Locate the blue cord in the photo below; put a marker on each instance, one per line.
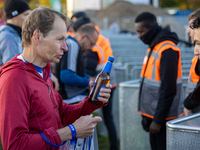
(53, 145)
(90, 141)
(84, 143)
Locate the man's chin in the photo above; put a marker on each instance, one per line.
(56, 61)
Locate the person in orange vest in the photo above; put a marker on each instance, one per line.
(161, 83)
(192, 100)
(94, 62)
(193, 78)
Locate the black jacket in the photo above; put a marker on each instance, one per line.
(168, 74)
(192, 101)
(91, 60)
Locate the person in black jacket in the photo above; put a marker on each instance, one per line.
(90, 58)
(160, 100)
(193, 99)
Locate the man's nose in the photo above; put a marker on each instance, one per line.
(64, 47)
(188, 31)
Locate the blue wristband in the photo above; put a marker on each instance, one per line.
(73, 130)
(53, 145)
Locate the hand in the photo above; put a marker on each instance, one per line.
(154, 128)
(56, 86)
(85, 125)
(92, 78)
(55, 81)
(187, 112)
(91, 85)
(104, 94)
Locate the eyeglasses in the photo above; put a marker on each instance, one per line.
(90, 40)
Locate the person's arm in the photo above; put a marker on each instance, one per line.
(69, 113)
(189, 102)
(9, 47)
(167, 91)
(84, 127)
(68, 65)
(71, 78)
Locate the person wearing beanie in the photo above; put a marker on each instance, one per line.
(78, 15)
(10, 34)
(73, 19)
(79, 22)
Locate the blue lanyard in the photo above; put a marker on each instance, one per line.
(53, 145)
(90, 142)
(73, 141)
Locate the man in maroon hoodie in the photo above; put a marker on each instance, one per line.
(31, 111)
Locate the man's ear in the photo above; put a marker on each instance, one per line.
(82, 36)
(37, 36)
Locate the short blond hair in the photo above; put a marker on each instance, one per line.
(87, 29)
(41, 18)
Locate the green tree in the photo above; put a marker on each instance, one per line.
(168, 3)
(182, 4)
(33, 3)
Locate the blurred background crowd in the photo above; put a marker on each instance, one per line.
(116, 19)
(106, 12)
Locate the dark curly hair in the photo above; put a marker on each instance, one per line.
(195, 23)
(147, 19)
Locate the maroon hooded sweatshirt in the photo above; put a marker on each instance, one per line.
(29, 105)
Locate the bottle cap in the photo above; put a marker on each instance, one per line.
(111, 58)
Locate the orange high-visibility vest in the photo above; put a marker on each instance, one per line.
(103, 50)
(193, 77)
(70, 34)
(151, 84)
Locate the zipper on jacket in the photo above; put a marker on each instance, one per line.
(49, 88)
(53, 103)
